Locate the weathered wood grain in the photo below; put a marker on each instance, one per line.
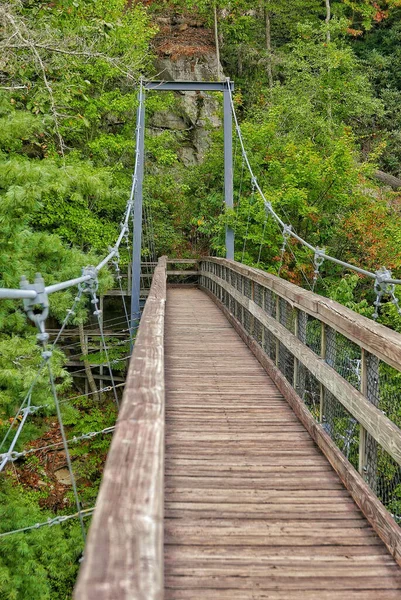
(182, 272)
(252, 507)
(374, 511)
(124, 552)
(384, 431)
(373, 337)
(234, 593)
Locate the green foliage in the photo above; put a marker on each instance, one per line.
(318, 104)
(39, 564)
(67, 111)
(379, 50)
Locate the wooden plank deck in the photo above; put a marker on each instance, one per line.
(252, 507)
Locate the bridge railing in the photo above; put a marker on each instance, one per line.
(123, 557)
(339, 371)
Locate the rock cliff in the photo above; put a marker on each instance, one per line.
(185, 52)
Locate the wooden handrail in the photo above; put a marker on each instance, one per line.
(372, 419)
(373, 337)
(288, 341)
(124, 552)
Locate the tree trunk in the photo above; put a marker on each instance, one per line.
(328, 17)
(216, 39)
(328, 38)
(390, 180)
(268, 48)
(88, 371)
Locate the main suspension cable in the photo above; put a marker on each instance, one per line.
(270, 210)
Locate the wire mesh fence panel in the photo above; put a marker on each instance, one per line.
(247, 288)
(235, 309)
(302, 321)
(286, 362)
(344, 356)
(258, 332)
(341, 426)
(287, 315)
(240, 283)
(258, 294)
(368, 453)
(313, 334)
(308, 389)
(270, 303)
(377, 381)
(231, 304)
(269, 344)
(248, 321)
(388, 483)
(285, 359)
(385, 385)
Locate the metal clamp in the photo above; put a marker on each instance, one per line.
(381, 278)
(115, 261)
(318, 260)
(91, 285)
(268, 207)
(286, 236)
(126, 236)
(320, 255)
(37, 308)
(11, 456)
(381, 288)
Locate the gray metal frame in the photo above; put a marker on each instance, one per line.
(137, 231)
(225, 87)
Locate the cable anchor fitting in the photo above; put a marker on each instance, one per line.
(126, 237)
(37, 308)
(90, 286)
(286, 233)
(318, 260)
(382, 287)
(268, 207)
(116, 258)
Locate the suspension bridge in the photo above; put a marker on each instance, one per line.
(257, 450)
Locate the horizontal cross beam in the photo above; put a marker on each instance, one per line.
(189, 86)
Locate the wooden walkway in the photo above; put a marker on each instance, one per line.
(252, 507)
